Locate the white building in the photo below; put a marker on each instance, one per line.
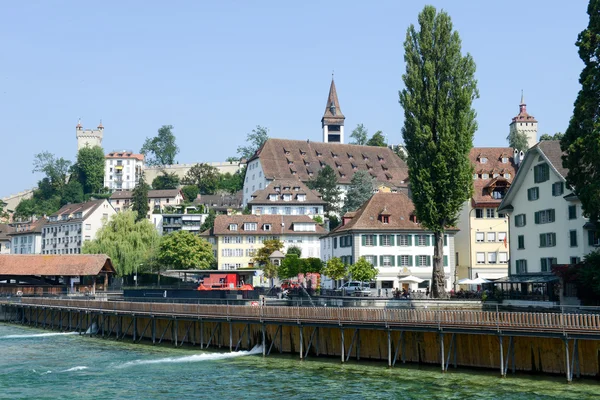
(72, 225)
(386, 233)
(88, 137)
(26, 237)
(547, 225)
(122, 170)
(5, 231)
(287, 197)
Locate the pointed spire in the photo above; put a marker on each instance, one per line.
(332, 108)
(522, 97)
(522, 105)
(100, 126)
(79, 124)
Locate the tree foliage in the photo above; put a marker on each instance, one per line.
(190, 192)
(377, 140)
(360, 135)
(209, 222)
(162, 148)
(311, 265)
(73, 193)
(184, 250)
(166, 181)
(255, 140)
(55, 169)
(556, 136)
(139, 201)
(439, 124)
(326, 183)
(89, 169)
(362, 270)
(128, 243)
(360, 190)
(290, 266)
(518, 140)
(582, 138)
(335, 269)
(261, 258)
(204, 176)
(294, 250)
(231, 183)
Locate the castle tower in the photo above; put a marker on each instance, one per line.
(88, 137)
(333, 119)
(525, 123)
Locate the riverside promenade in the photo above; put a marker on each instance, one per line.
(565, 342)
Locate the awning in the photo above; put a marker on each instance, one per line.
(527, 279)
(490, 276)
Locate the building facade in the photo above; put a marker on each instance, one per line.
(158, 200)
(5, 245)
(122, 170)
(88, 137)
(482, 243)
(72, 225)
(547, 225)
(188, 219)
(387, 234)
(236, 238)
(26, 237)
(287, 197)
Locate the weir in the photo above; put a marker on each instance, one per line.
(565, 343)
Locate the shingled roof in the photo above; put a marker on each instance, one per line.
(298, 159)
(329, 118)
(496, 171)
(223, 222)
(5, 231)
(70, 209)
(152, 194)
(552, 150)
(55, 265)
(279, 187)
(25, 228)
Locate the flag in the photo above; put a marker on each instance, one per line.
(505, 245)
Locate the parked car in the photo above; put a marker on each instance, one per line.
(355, 288)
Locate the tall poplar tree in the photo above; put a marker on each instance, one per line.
(439, 125)
(581, 141)
(139, 201)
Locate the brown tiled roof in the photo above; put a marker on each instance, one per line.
(70, 209)
(286, 186)
(482, 188)
(523, 116)
(28, 227)
(152, 194)
(328, 117)
(222, 223)
(397, 205)
(552, 150)
(124, 154)
(221, 200)
(297, 159)
(5, 231)
(55, 265)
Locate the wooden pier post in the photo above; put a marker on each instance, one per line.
(568, 365)
(230, 337)
(389, 344)
(502, 374)
(264, 340)
(301, 343)
(442, 350)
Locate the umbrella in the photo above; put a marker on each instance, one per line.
(466, 281)
(476, 281)
(411, 279)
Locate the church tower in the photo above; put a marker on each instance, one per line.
(88, 137)
(525, 123)
(333, 119)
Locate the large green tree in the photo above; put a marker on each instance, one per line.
(161, 149)
(128, 243)
(184, 250)
(377, 140)
(290, 266)
(335, 269)
(362, 270)
(261, 258)
(326, 183)
(231, 183)
(89, 169)
(190, 192)
(439, 124)
(139, 201)
(556, 136)
(360, 135)
(73, 193)
(360, 190)
(166, 181)
(205, 176)
(209, 222)
(582, 138)
(254, 140)
(518, 140)
(55, 169)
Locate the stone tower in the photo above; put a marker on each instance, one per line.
(88, 137)
(333, 119)
(525, 123)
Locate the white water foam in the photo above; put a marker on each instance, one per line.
(194, 358)
(37, 335)
(79, 368)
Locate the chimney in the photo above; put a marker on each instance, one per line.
(516, 157)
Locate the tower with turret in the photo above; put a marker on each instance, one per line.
(333, 119)
(526, 124)
(88, 137)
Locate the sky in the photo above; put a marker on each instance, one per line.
(217, 69)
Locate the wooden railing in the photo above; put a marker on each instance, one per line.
(441, 318)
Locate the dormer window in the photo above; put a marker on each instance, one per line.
(342, 175)
(286, 151)
(504, 160)
(369, 167)
(267, 227)
(334, 155)
(318, 153)
(301, 197)
(338, 165)
(287, 197)
(273, 197)
(483, 160)
(507, 176)
(475, 176)
(302, 152)
(354, 167)
(485, 176)
(495, 175)
(384, 219)
(296, 188)
(380, 158)
(384, 167)
(293, 171)
(350, 156)
(306, 162)
(290, 162)
(413, 218)
(286, 188)
(233, 227)
(250, 226)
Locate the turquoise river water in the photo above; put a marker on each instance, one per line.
(38, 364)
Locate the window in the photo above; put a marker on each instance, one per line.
(573, 238)
(558, 188)
(490, 212)
(301, 210)
(387, 261)
(233, 227)
(480, 237)
(369, 240)
(479, 213)
(475, 176)
(492, 258)
(226, 239)
(491, 236)
(546, 263)
(250, 226)
(521, 266)
(480, 257)
(250, 239)
(483, 160)
(544, 216)
(503, 258)
(273, 210)
(423, 261)
(541, 173)
(267, 227)
(88, 227)
(507, 175)
(485, 176)
(238, 239)
(504, 160)
(574, 260)
(520, 220)
(422, 240)
(385, 219)
(404, 240)
(547, 239)
(501, 236)
(371, 260)
(386, 240)
(573, 212)
(533, 193)
(594, 238)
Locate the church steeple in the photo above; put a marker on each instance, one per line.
(524, 123)
(333, 119)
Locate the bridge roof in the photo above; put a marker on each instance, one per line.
(55, 265)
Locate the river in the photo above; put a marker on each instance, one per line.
(39, 364)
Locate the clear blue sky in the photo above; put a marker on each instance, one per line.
(216, 69)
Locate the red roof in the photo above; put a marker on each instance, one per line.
(55, 265)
